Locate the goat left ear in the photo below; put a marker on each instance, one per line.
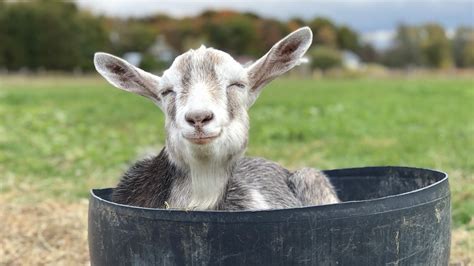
(282, 57)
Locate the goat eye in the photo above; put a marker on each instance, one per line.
(166, 92)
(237, 84)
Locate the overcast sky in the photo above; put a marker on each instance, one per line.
(375, 19)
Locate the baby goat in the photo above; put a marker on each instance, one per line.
(205, 96)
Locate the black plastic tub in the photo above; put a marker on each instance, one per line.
(390, 216)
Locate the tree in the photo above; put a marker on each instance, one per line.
(92, 37)
(15, 36)
(407, 48)
(130, 36)
(425, 45)
(323, 57)
(295, 23)
(347, 39)
(269, 32)
(47, 34)
(3, 35)
(324, 32)
(179, 32)
(435, 46)
(233, 32)
(463, 47)
(368, 53)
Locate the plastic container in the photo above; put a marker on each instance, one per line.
(390, 216)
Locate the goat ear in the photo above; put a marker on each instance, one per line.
(282, 57)
(125, 76)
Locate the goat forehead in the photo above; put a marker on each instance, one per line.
(203, 65)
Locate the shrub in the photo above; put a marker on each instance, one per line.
(324, 58)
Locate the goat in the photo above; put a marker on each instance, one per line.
(205, 96)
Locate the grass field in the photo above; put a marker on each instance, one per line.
(59, 137)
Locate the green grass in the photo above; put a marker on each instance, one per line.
(60, 137)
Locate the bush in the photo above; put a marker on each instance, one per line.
(324, 58)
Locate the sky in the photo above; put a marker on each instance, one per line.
(376, 20)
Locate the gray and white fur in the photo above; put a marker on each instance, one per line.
(205, 96)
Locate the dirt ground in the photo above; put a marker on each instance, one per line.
(51, 233)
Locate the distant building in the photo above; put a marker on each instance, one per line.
(350, 60)
(161, 50)
(134, 58)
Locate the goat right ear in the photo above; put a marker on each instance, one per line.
(282, 57)
(125, 76)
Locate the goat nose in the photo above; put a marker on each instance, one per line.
(198, 118)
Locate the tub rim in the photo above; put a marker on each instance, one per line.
(417, 197)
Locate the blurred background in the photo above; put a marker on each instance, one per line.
(386, 83)
(40, 36)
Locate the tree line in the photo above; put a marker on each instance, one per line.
(52, 35)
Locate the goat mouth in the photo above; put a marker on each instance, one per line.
(201, 139)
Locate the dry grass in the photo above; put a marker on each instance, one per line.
(48, 233)
(462, 246)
